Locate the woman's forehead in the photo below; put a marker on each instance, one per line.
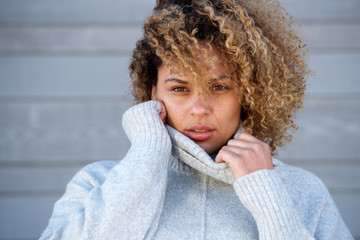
(186, 77)
(214, 72)
(210, 61)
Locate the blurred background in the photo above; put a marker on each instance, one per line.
(64, 87)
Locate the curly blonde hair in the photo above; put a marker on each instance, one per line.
(255, 38)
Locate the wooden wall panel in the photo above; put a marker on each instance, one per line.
(321, 11)
(64, 76)
(332, 37)
(78, 131)
(70, 12)
(335, 74)
(337, 176)
(36, 180)
(348, 205)
(73, 39)
(329, 130)
(25, 217)
(63, 89)
(108, 76)
(62, 132)
(121, 39)
(110, 11)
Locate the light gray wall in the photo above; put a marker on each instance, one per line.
(63, 89)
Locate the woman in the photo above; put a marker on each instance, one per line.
(217, 83)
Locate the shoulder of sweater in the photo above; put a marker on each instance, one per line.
(298, 180)
(92, 175)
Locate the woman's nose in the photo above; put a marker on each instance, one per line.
(200, 106)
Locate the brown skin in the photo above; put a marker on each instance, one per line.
(183, 108)
(244, 155)
(189, 114)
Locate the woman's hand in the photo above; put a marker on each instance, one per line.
(162, 113)
(245, 155)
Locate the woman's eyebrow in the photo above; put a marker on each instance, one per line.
(176, 80)
(219, 78)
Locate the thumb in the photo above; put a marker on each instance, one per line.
(218, 158)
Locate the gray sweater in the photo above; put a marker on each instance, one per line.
(167, 187)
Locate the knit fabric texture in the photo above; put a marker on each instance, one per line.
(167, 187)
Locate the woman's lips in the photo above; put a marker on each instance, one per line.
(200, 132)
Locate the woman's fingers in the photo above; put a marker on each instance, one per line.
(241, 143)
(247, 141)
(244, 155)
(245, 137)
(238, 167)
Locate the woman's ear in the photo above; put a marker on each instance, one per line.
(153, 93)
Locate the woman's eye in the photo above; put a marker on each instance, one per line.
(219, 87)
(179, 89)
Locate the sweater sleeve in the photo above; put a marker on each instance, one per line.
(123, 201)
(266, 197)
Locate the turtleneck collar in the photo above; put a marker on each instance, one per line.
(187, 156)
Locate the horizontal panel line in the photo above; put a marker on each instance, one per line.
(139, 23)
(319, 162)
(328, 22)
(31, 238)
(72, 25)
(344, 191)
(127, 53)
(27, 238)
(82, 162)
(47, 164)
(61, 53)
(332, 97)
(31, 194)
(67, 99)
(128, 98)
(334, 50)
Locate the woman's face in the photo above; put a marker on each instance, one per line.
(209, 123)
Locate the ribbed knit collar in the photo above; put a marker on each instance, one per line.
(187, 156)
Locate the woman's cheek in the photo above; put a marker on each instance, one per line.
(172, 116)
(175, 115)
